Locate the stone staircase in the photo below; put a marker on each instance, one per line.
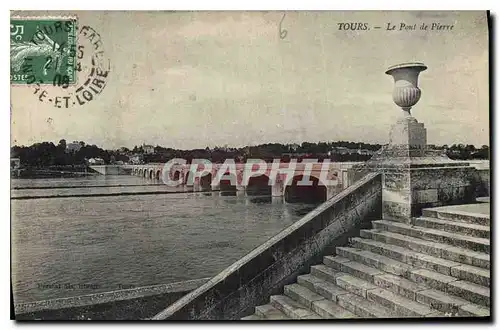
(437, 266)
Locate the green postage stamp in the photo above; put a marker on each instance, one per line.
(42, 51)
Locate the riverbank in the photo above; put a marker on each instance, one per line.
(47, 173)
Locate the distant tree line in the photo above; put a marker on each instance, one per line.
(469, 151)
(48, 154)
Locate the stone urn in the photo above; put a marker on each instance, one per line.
(406, 92)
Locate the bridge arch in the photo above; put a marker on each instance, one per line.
(145, 172)
(158, 175)
(258, 186)
(228, 184)
(150, 175)
(295, 193)
(206, 182)
(176, 175)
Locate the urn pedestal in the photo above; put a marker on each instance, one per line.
(415, 177)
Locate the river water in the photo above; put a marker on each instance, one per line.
(69, 246)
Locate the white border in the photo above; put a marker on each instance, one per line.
(493, 5)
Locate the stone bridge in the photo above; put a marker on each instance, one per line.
(286, 183)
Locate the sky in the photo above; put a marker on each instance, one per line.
(196, 79)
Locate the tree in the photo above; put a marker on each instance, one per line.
(62, 144)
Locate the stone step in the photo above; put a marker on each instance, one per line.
(485, 199)
(325, 273)
(472, 292)
(291, 308)
(399, 285)
(441, 301)
(477, 218)
(404, 287)
(440, 250)
(364, 308)
(429, 279)
(325, 288)
(268, 312)
(473, 310)
(302, 295)
(375, 260)
(330, 310)
(434, 235)
(401, 305)
(324, 307)
(466, 272)
(354, 268)
(472, 274)
(463, 228)
(252, 317)
(416, 286)
(435, 299)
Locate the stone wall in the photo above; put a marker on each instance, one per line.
(250, 281)
(130, 304)
(482, 182)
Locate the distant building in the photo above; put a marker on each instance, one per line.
(148, 149)
(342, 150)
(73, 147)
(365, 152)
(96, 161)
(294, 147)
(135, 159)
(15, 163)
